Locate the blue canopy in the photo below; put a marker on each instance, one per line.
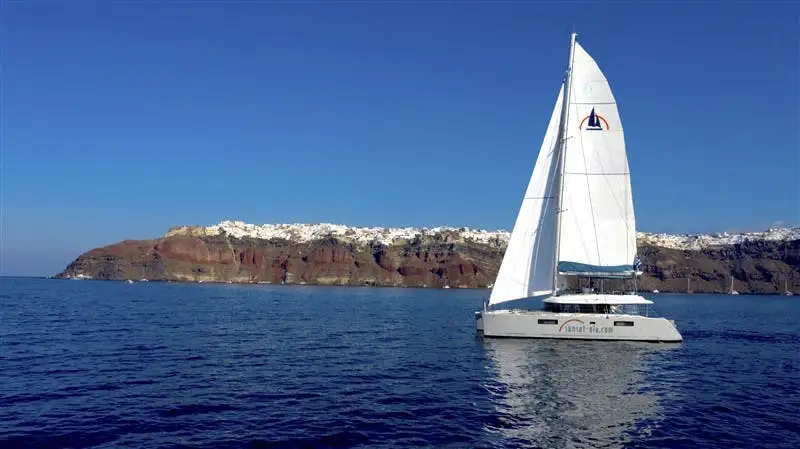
(607, 271)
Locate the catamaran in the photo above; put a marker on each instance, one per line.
(576, 224)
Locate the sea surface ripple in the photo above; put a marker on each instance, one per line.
(155, 365)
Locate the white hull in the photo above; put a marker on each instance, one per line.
(575, 326)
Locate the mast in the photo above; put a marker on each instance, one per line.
(560, 156)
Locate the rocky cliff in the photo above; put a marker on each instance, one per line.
(438, 257)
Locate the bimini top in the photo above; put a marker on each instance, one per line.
(595, 298)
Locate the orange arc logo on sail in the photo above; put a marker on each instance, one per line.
(569, 321)
(598, 116)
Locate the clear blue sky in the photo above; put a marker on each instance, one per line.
(122, 119)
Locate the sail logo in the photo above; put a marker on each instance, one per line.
(594, 122)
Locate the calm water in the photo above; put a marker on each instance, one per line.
(100, 364)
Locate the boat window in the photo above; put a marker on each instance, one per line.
(623, 323)
(548, 321)
(576, 308)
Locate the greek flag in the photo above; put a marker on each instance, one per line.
(637, 263)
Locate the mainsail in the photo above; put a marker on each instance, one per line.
(597, 235)
(593, 232)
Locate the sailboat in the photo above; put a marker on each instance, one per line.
(732, 291)
(576, 222)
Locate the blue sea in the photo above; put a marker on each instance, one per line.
(157, 365)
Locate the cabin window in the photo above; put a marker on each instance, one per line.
(591, 322)
(623, 323)
(548, 321)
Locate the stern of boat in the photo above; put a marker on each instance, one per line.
(479, 317)
(675, 335)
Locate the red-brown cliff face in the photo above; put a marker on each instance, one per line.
(327, 261)
(758, 267)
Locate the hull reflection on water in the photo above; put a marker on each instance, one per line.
(554, 394)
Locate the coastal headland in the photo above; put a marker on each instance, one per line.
(325, 254)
